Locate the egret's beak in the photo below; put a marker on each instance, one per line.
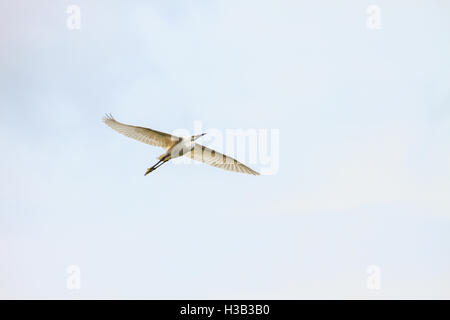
(197, 136)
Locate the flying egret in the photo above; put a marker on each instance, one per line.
(177, 147)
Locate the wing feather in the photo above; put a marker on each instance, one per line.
(149, 136)
(217, 159)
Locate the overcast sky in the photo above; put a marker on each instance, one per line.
(363, 174)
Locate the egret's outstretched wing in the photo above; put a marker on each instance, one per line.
(149, 136)
(217, 159)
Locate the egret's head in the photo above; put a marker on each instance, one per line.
(197, 136)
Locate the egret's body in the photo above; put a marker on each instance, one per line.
(184, 145)
(177, 147)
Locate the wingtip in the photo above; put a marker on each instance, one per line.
(107, 117)
(253, 172)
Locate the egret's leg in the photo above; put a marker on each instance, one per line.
(152, 168)
(156, 166)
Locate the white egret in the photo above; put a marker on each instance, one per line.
(177, 146)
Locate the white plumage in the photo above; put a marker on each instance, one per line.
(177, 146)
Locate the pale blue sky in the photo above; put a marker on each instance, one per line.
(364, 175)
